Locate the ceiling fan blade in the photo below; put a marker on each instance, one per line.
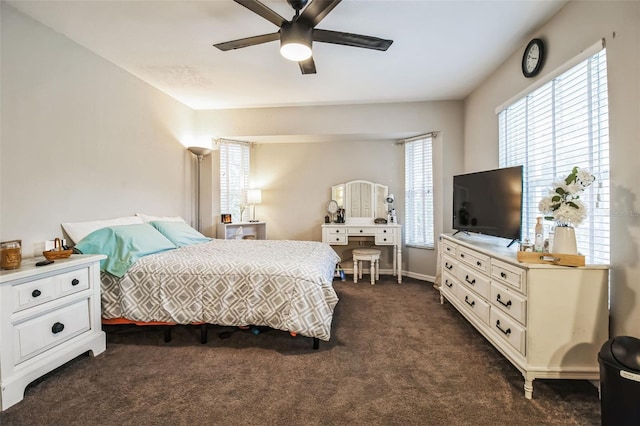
(260, 9)
(316, 11)
(348, 39)
(308, 66)
(247, 41)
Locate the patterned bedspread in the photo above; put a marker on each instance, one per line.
(286, 285)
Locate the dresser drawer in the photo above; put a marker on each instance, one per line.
(509, 302)
(385, 231)
(508, 330)
(50, 329)
(336, 230)
(361, 231)
(385, 240)
(46, 289)
(449, 285)
(336, 239)
(450, 265)
(473, 303)
(473, 279)
(449, 248)
(509, 275)
(472, 258)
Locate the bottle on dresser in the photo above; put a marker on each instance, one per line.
(538, 245)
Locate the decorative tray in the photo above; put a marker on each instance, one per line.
(551, 258)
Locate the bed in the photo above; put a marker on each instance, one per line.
(165, 272)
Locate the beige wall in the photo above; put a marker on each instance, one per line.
(296, 177)
(579, 25)
(81, 138)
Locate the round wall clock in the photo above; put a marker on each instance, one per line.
(533, 58)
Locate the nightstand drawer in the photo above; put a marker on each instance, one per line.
(46, 289)
(33, 293)
(41, 333)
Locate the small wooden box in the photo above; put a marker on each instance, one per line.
(551, 258)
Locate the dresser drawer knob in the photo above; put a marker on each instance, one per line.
(75, 281)
(503, 275)
(507, 331)
(361, 231)
(57, 328)
(472, 282)
(449, 267)
(462, 255)
(472, 303)
(384, 231)
(448, 284)
(36, 293)
(506, 305)
(479, 263)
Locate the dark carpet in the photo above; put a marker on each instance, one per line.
(396, 357)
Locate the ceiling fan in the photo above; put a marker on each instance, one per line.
(297, 34)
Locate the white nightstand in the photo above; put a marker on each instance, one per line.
(244, 230)
(48, 316)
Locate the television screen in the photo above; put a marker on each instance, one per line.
(489, 202)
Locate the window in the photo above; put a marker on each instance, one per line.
(234, 177)
(418, 183)
(562, 124)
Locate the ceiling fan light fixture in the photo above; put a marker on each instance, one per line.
(295, 41)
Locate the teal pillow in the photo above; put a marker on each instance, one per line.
(123, 245)
(179, 233)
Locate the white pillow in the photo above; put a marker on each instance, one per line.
(148, 218)
(78, 230)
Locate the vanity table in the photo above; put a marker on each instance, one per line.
(364, 202)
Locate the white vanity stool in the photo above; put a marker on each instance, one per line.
(368, 255)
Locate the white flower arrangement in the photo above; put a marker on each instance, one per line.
(563, 204)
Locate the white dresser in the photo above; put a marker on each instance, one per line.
(48, 316)
(381, 235)
(548, 321)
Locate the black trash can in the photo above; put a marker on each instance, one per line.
(619, 360)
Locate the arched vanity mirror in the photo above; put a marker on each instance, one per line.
(362, 200)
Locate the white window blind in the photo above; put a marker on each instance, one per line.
(234, 177)
(560, 125)
(418, 181)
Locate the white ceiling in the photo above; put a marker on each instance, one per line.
(441, 49)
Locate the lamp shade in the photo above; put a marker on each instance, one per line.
(295, 41)
(254, 196)
(199, 150)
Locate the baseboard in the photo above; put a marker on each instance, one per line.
(421, 277)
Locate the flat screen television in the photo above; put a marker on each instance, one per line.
(489, 202)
